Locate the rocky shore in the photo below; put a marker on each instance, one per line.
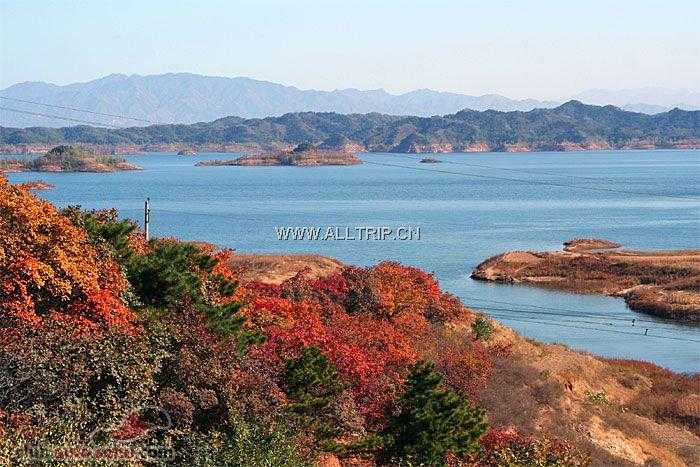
(661, 283)
(37, 185)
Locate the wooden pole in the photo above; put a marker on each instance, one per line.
(147, 218)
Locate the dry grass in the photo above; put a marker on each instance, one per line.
(665, 283)
(650, 415)
(621, 412)
(589, 244)
(274, 269)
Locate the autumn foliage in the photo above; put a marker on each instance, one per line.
(113, 343)
(49, 268)
(373, 324)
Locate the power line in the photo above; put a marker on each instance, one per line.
(534, 182)
(552, 311)
(126, 117)
(58, 117)
(508, 313)
(206, 214)
(571, 312)
(567, 315)
(527, 314)
(556, 323)
(535, 172)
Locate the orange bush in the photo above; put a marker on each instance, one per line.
(48, 266)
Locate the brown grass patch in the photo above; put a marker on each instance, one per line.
(275, 269)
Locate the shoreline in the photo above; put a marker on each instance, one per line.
(243, 149)
(659, 283)
(608, 406)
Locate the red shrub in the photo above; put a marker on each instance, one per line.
(372, 323)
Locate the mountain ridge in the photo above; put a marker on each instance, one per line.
(570, 126)
(191, 98)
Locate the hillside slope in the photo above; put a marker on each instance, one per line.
(188, 98)
(177, 353)
(622, 412)
(571, 126)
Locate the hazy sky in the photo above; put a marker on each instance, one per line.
(541, 49)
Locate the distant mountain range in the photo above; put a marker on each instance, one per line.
(648, 100)
(190, 98)
(571, 126)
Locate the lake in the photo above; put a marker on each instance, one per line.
(472, 207)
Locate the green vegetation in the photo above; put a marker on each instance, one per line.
(303, 147)
(118, 351)
(482, 328)
(541, 129)
(69, 159)
(598, 397)
(105, 230)
(169, 274)
(432, 422)
(312, 383)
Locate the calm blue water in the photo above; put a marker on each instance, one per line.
(463, 220)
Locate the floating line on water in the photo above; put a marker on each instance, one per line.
(556, 323)
(572, 312)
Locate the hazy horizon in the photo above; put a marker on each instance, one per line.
(560, 99)
(542, 50)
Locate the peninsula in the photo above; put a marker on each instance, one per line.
(37, 185)
(661, 283)
(68, 159)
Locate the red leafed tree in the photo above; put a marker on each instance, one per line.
(48, 266)
(372, 323)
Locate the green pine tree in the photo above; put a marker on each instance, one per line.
(432, 422)
(312, 383)
(171, 275)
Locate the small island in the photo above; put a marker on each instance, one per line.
(303, 155)
(187, 152)
(430, 160)
(68, 159)
(661, 283)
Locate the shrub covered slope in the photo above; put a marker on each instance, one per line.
(118, 351)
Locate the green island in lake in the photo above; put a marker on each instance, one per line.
(68, 159)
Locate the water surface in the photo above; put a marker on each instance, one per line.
(642, 199)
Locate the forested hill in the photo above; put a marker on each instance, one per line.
(570, 126)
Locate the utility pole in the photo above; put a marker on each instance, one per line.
(147, 218)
